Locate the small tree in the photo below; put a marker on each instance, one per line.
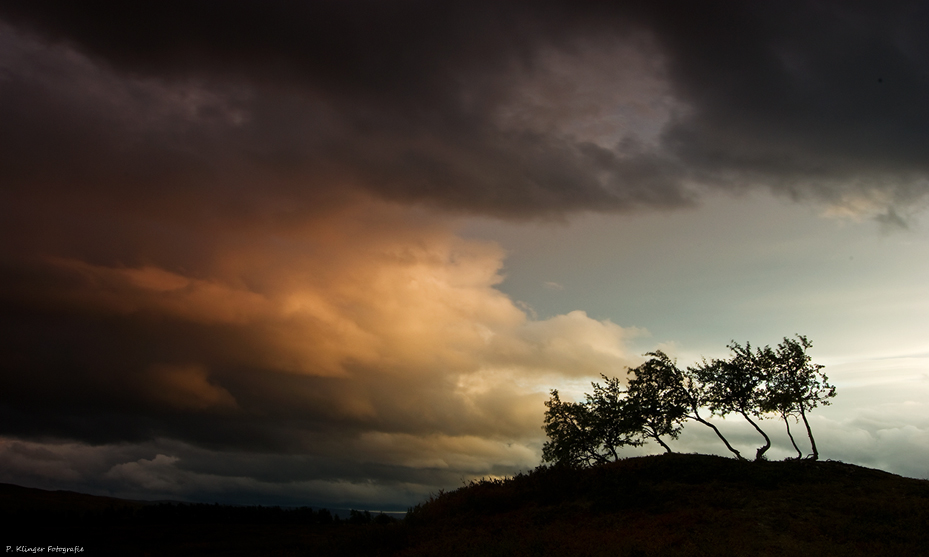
(590, 432)
(665, 396)
(617, 420)
(795, 385)
(777, 397)
(571, 434)
(737, 386)
(656, 396)
(697, 398)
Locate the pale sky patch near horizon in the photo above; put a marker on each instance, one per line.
(747, 268)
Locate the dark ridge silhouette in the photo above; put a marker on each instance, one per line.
(667, 505)
(96, 525)
(680, 504)
(14, 499)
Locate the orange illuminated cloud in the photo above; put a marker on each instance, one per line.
(379, 318)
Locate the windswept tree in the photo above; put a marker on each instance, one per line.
(656, 396)
(571, 434)
(795, 385)
(590, 432)
(737, 386)
(665, 396)
(781, 403)
(619, 422)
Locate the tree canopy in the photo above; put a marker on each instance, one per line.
(796, 386)
(590, 432)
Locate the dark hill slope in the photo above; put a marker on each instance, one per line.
(16, 499)
(680, 505)
(670, 505)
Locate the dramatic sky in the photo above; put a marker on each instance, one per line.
(338, 252)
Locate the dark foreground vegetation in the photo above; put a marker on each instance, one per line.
(673, 504)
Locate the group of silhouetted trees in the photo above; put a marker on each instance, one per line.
(660, 397)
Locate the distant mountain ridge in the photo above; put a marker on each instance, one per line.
(14, 498)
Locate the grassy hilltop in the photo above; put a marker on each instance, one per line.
(672, 504)
(678, 504)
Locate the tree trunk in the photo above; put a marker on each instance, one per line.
(794, 443)
(651, 432)
(663, 444)
(767, 442)
(696, 417)
(815, 455)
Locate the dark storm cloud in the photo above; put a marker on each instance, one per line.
(810, 93)
(391, 97)
(816, 98)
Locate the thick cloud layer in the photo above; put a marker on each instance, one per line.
(365, 344)
(349, 313)
(416, 100)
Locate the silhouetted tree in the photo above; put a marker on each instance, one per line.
(737, 386)
(590, 432)
(666, 396)
(785, 410)
(619, 422)
(359, 517)
(324, 516)
(657, 397)
(777, 398)
(570, 430)
(795, 385)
